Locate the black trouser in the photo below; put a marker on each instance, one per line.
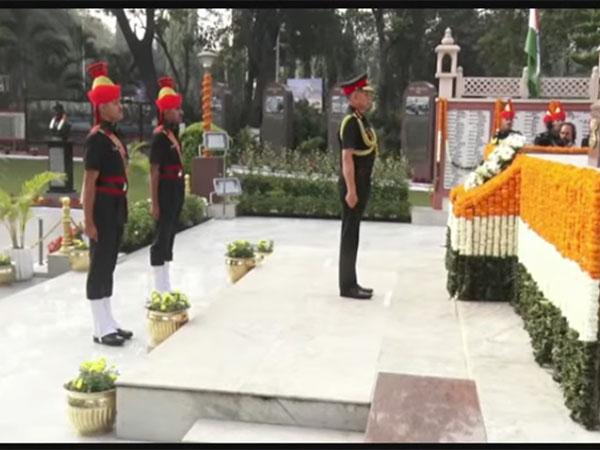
(170, 202)
(351, 228)
(109, 217)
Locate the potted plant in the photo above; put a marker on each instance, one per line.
(15, 212)
(167, 312)
(239, 259)
(7, 271)
(91, 397)
(263, 249)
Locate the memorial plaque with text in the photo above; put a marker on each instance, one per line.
(468, 134)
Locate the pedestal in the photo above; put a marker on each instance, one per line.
(204, 170)
(60, 159)
(594, 157)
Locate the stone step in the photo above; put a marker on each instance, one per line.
(278, 347)
(221, 431)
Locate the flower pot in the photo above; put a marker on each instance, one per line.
(261, 256)
(80, 260)
(92, 412)
(238, 267)
(161, 325)
(7, 274)
(23, 261)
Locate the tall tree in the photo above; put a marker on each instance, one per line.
(141, 49)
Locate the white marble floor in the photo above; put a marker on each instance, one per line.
(46, 329)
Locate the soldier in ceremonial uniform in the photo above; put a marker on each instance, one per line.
(555, 116)
(358, 148)
(104, 196)
(167, 186)
(506, 123)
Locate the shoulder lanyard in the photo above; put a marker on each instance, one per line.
(118, 144)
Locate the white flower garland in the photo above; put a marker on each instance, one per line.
(498, 160)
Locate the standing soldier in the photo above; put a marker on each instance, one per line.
(166, 182)
(358, 148)
(554, 118)
(104, 202)
(507, 116)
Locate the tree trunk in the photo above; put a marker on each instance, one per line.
(141, 50)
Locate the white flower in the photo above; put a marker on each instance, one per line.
(504, 152)
(514, 140)
(492, 166)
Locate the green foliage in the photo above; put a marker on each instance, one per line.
(168, 302)
(310, 128)
(140, 226)
(191, 138)
(575, 363)
(585, 35)
(15, 210)
(4, 260)
(193, 211)
(482, 278)
(139, 229)
(317, 197)
(265, 246)
(94, 376)
(138, 159)
(240, 249)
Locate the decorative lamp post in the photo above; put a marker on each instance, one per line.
(207, 59)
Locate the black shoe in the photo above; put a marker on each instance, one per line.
(111, 339)
(125, 334)
(355, 292)
(367, 290)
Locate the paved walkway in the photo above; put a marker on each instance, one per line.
(46, 329)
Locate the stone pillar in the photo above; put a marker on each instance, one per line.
(594, 143)
(447, 48)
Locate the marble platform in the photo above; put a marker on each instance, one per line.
(46, 333)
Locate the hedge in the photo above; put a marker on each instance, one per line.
(316, 197)
(574, 362)
(483, 278)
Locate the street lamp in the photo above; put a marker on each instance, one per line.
(207, 59)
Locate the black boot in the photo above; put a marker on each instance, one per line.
(110, 339)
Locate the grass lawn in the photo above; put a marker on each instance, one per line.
(13, 172)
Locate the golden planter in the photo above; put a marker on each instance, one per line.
(92, 412)
(261, 256)
(7, 274)
(161, 325)
(238, 267)
(80, 260)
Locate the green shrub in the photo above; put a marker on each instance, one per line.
(138, 157)
(191, 138)
(240, 249)
(139, 229)
(317, 197)
(575, 363)
(4, 260)
(193, 211)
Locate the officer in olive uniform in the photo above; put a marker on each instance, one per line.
(167, 186)
(358, 148)
(554, 118)
(104, 202)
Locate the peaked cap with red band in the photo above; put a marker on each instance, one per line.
(508, 113)
(167, 97)
(359, 82)
(555, 112)
(103, 89)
